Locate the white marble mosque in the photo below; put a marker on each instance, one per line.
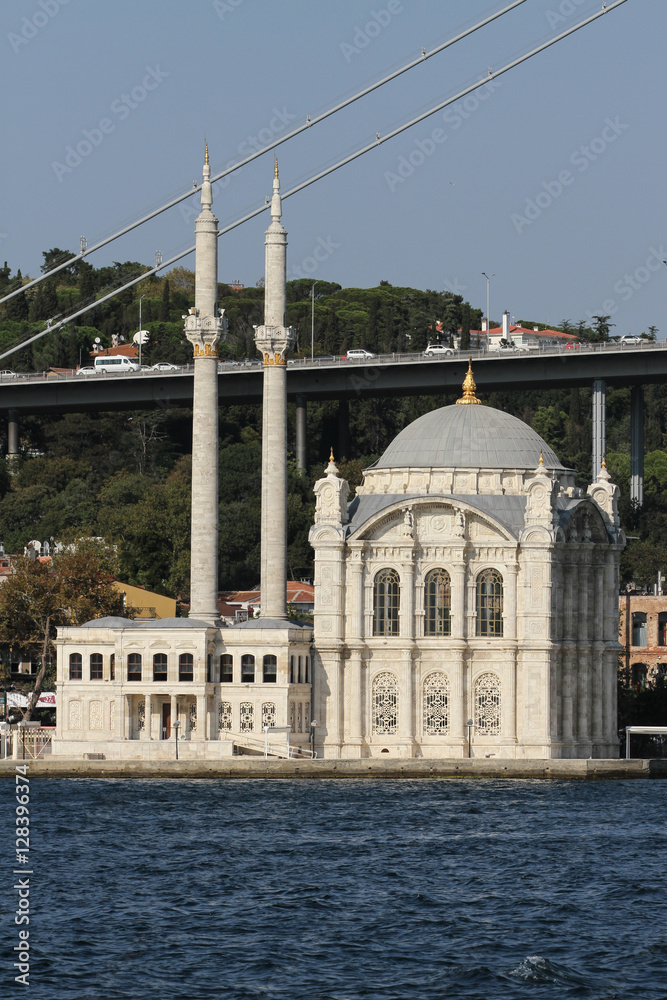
(465, 599)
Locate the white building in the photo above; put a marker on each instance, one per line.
(468, 579)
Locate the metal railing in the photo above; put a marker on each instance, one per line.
(285, 750)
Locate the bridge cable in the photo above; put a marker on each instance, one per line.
(323, 173)
(273, 145)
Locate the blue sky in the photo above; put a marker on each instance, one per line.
(553, 179)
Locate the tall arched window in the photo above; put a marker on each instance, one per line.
(269, 669)
(75, 666)
(487, 705)
(186, 667)
(159, 666)
(437, 603)
(436, 704)
(385, 704)
(96, 666)
(247, 668)
(134, 666)
(226, 668)
(386, 602)
(489, 603)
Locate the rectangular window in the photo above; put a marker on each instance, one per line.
(186, 667)
(96, 666)
(247, 669)
(160, 667)
(134, 667)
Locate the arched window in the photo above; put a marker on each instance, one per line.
(386, 600)
(226, 668)
(112, 667)
(186, 667)
(209, 669)
(487, 705)
(436, 704)
(300, 673)
(385, 704)
(159, 666)
(247, 715)
(75, 666)
(291, 670)
(307, 670)
(489, 603)
(269, 669)
(437, 603)
(134, 666)
(96, 665)
(268, 714)
(247, 669)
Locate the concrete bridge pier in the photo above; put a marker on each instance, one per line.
(301, 443)
(637, 445)
(12, 434)
(599, 425)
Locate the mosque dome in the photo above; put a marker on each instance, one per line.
(468, 437)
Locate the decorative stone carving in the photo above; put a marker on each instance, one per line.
(75, 715)
(331, 492)
(96, 717)
(606, 494)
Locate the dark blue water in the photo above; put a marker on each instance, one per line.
(338, 890)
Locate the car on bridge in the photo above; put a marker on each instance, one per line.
(629, 340)
(359, 354)
(87, 370)
(8, 373)
(165, 366)
(438, 351)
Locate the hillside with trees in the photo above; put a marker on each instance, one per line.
(125, 477)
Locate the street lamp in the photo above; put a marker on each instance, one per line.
(176, 725)
(141, 329)
(469, 724)
(488, 321)
(312, 736)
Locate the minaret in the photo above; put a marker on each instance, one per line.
(273, 340)
(203, 328)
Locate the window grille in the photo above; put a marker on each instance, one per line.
(487, 705)
(134, 666)
(436, 705)
(224, 716)
(75, 666)
(96, 664)
(186, 667)
(490, 603)
(292, 717)
(386, 602)
(247, 713)
(160, 667)
(385, 704)
(141, 715)
(193, 717)
(437, 603)
(268, 714)
(299, 717)
(226, 668)
(306, 717)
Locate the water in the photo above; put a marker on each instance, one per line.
(342, 890)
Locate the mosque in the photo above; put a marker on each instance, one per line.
(465, 599)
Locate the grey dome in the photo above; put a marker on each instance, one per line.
(467, 437)
(110, 622)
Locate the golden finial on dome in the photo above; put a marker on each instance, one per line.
(541, 457)
(469, 387)
(275, 169)
(206, 155)
(331, 457)
(604, 462)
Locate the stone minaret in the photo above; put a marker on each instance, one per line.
(273, 340)
(203, 328)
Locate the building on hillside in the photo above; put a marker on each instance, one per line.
(146, 604)
(643, 636)
(239, 605)
(465, 600)
(525, 338)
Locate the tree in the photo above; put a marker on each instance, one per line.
(165, 307)
(38, 597)
(465, 327)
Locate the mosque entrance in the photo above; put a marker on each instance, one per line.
(166, 720)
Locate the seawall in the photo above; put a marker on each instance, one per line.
(253, 767)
